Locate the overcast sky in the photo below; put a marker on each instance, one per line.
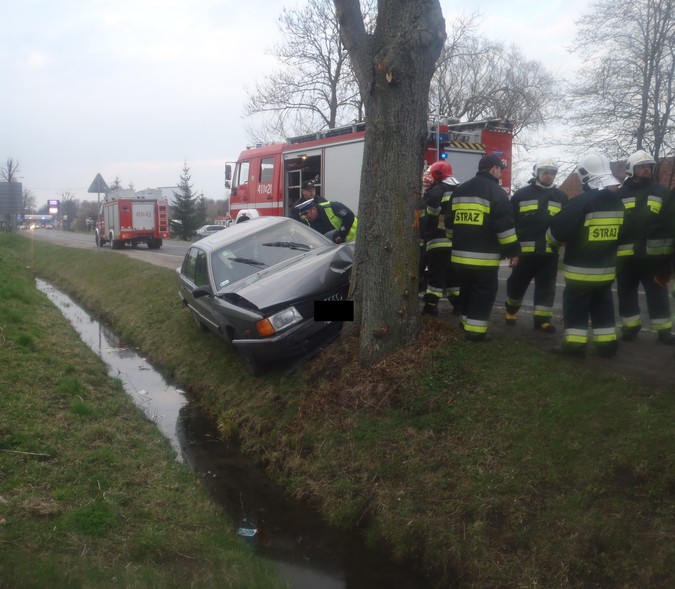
(133, 88)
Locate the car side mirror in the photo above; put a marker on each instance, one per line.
(202, 291)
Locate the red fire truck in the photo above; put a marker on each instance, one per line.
(268, 178)
(125, 219)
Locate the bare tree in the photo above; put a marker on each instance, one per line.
(68, 208)
(10, 171)
(394, 65)
(116, 183)
(27, 202)
(315, 87)
(623, 97)
(479, 79)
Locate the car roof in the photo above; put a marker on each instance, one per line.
(236, 232)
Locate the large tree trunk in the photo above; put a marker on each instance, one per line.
(394, 67)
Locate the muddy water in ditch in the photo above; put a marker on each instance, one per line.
(307, 554)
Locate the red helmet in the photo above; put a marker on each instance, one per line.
(440, 170)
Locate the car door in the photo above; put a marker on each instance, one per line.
(194, 274)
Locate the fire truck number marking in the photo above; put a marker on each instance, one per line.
(143, 214)
(264, 189)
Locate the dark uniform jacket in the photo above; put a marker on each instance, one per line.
(589, 226)
(480, 223)
(642, 234)
(436, 200)
(533, 209)
(335, 215)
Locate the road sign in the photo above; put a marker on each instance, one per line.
(98, 185)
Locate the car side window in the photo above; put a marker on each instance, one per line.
(194, 267)
(201, 271)
(188, 268)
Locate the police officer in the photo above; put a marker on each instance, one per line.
(533, 207)
(307, 192)
(441, 278)
(589, 226)
(644, 248)
(329, 217)
(480, 225)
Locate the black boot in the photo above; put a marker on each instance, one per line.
(430, 310)
(667, 338)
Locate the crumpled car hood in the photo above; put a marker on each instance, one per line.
(313, 275)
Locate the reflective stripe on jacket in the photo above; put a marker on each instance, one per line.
(589, 226)
(480, 223)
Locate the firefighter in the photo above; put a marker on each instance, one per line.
(589, 226)
(480, 225)
(533, 207)
(643, 250)
(441, 278)
(329, 217)
(420, 224)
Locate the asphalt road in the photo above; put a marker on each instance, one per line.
(170, 255)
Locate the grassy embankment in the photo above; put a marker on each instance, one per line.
(90, 493)
(490, 465)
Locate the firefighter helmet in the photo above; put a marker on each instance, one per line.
(594, 169)
(440, 170)
(544, 164)
(639, 158)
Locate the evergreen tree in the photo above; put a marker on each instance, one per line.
(201, 211)
(185, 206)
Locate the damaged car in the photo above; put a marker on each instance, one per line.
(256, 285)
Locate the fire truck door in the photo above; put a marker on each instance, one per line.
(240, 186)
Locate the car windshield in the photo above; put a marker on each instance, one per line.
(263, 250)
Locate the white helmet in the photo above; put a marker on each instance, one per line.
(639, 158)
(594, 169)
(546, 164)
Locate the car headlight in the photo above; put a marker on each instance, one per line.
(277, 322)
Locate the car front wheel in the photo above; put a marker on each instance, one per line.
(254, 365)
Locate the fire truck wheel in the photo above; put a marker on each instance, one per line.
(115, 243)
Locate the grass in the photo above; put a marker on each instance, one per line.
(90, 493)
(488, 466)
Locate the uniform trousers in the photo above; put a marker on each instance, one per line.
(442, 277)
(630, 273)
(477, 292)
(543, 268)
(594, 302)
